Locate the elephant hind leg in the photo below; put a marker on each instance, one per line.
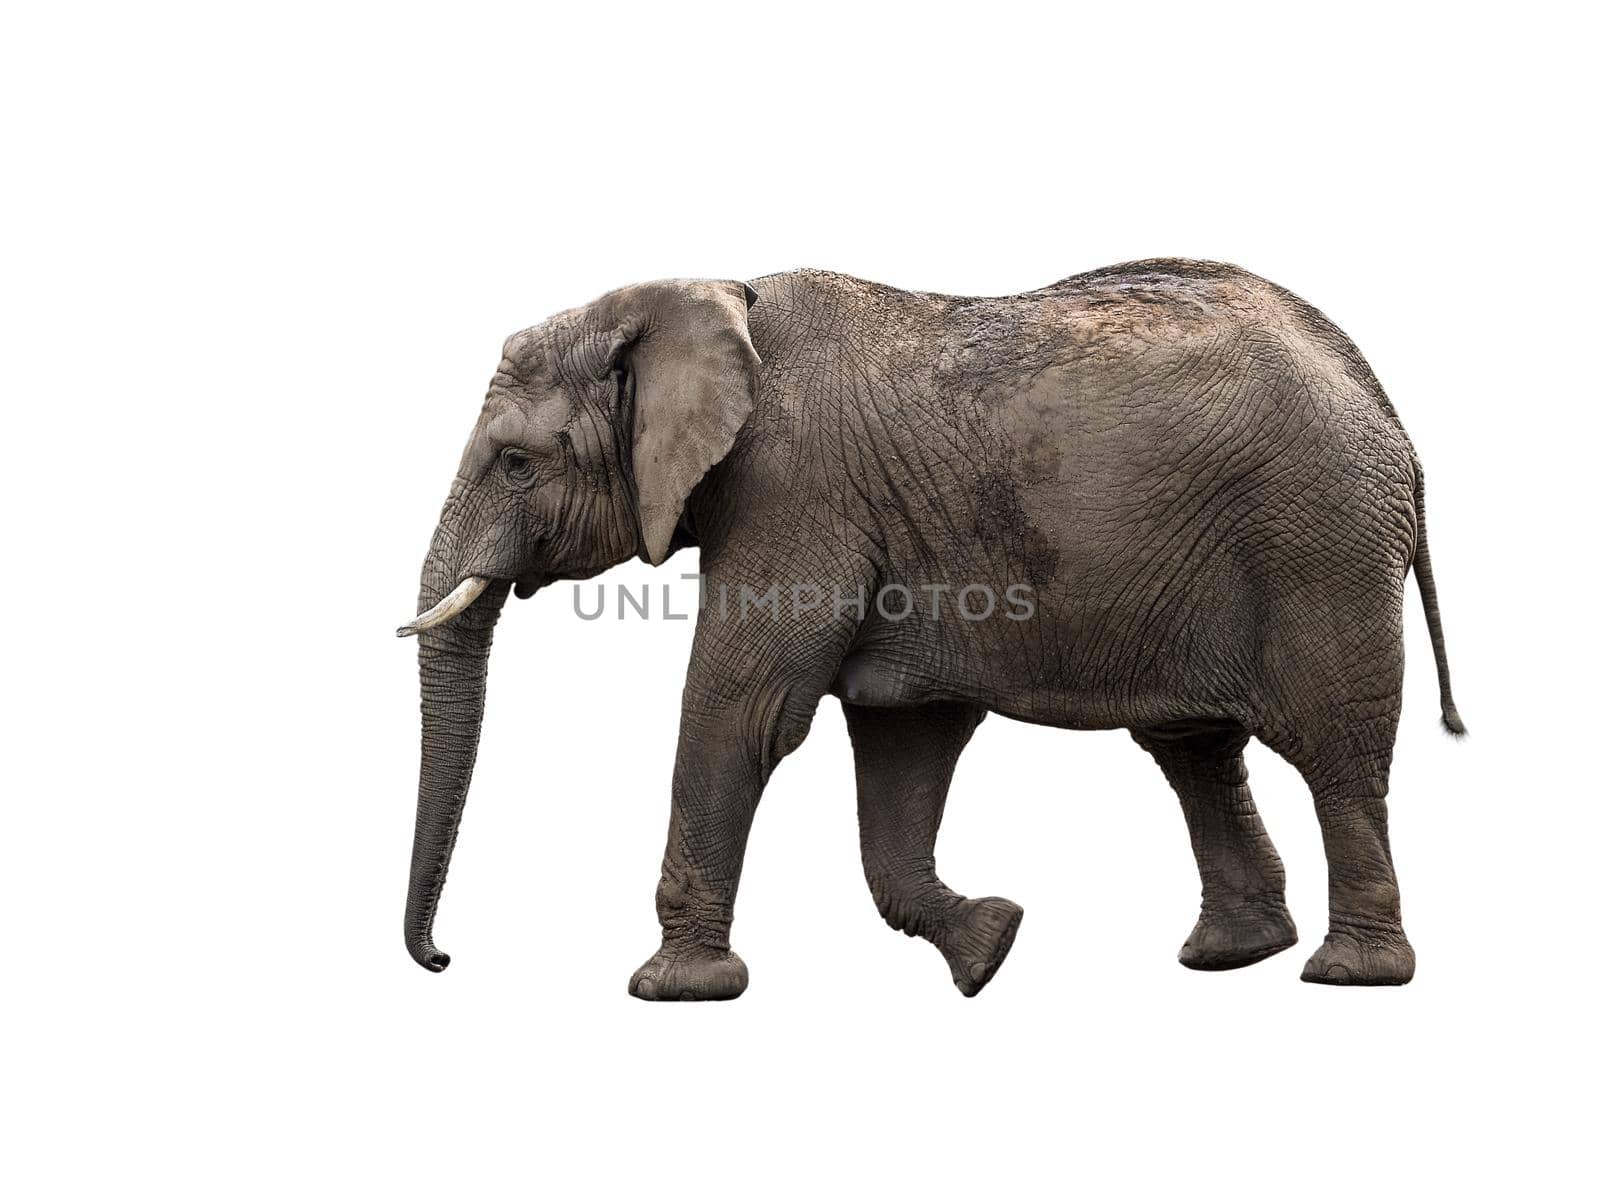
(1346, 766)
(1335, 721)
(904, 761)
(1243, 917)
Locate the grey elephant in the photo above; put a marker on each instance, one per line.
(1187, 498)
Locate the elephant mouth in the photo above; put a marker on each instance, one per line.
(529, 584)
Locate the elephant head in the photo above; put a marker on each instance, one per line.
(598, 424)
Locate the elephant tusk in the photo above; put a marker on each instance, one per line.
(455, 602)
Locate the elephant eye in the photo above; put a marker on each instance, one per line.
(518, 465)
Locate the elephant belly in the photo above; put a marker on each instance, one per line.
(873, 679)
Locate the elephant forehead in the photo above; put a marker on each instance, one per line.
(525, 348)
(514, 420)
(525, 417)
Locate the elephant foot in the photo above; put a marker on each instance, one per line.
(1231, 938)
(1362, 959)
(690, 973)
(976, 939)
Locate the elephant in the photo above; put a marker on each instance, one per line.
(1195, 494)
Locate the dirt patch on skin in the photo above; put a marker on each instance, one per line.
(1039, 455)
(1008, 535)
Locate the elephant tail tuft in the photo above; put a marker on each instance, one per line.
(1451, 720)
(1423, 568)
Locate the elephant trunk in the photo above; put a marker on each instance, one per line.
(454, 661)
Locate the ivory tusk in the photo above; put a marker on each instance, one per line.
(455, 602)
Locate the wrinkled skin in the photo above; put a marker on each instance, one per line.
(1194, 474)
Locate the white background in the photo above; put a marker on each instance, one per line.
(257, 271)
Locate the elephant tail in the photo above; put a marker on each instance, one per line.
(1423, 568)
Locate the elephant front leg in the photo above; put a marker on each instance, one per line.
(904, 761)
(694, 898)
(716, 786)
(748, 702)
(1243, 917)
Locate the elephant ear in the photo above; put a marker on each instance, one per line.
(686, 347)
